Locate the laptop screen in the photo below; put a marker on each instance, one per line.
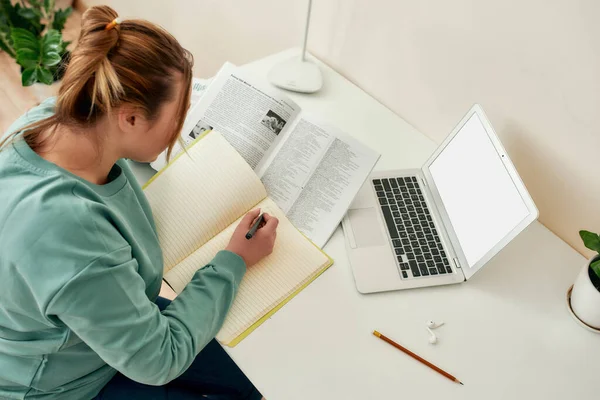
(480, 197)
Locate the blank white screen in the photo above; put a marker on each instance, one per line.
(479, 195)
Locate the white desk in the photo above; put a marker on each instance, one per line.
(508, 334)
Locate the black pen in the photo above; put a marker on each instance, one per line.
(254, 228)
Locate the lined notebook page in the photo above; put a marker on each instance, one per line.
(294, 262)
(200, 194)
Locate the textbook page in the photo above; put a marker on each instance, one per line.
(294, 262)
(314, 174)
(252, 118)
(199, 195)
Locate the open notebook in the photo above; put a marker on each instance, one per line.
(197, 201)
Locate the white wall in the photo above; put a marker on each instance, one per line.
(216, 31)
(532, 64)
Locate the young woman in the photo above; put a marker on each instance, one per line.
(80, 262)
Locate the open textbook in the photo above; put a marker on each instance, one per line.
(310, 169)
(197, 202)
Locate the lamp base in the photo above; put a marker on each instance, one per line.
(297, 75)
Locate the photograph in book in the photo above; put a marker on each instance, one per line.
(249, 116)
(199, 129)
(273, 121)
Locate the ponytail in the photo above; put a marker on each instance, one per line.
(91, 88)
(117, 62)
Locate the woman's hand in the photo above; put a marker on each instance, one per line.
(261, 245)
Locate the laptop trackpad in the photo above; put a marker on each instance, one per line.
(366, 227)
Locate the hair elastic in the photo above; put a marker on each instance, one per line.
(112, 24)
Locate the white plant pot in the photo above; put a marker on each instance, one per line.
(585, 299)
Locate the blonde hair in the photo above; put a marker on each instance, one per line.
(132, 63)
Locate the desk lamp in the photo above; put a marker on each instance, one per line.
(298, 74)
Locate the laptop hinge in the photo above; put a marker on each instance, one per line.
(456, 264)
(424, 181)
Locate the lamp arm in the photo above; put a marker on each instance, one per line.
(306, 30)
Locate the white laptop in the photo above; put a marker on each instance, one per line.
(439, 224)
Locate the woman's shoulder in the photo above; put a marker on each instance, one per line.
(47, 215)
(44, 110)
(49, 235)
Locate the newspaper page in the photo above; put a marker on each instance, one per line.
(199, 87)
(251, 118)
(314, 174)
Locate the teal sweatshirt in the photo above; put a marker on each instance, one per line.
(80, 268)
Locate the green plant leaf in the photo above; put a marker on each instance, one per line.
(27, 48)
(23, 39)
(6, 8)
(5, 40)
(4, 22)
(595, 266)
(48, 6)
(13, 19)
(65, 44)
(5, 47)
(51, 48)
(28, 58)
(38, 12)
(29, 76)
(50, 59)
(34, 17)
(11, 13)
(45, 76)
(590, 240)
(36, 8)
(51, 41)
(60, 17)
(27, 13)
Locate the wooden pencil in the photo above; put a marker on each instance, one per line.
(416, 357)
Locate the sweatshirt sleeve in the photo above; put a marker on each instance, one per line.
(106, 306)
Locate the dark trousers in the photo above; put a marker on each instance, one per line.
(213, 375)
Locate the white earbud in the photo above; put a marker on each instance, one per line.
(432, 325)
(432, 336)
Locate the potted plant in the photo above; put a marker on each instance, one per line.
(585, 296)
(31, 33)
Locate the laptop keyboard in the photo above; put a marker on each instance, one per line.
(415, 239)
